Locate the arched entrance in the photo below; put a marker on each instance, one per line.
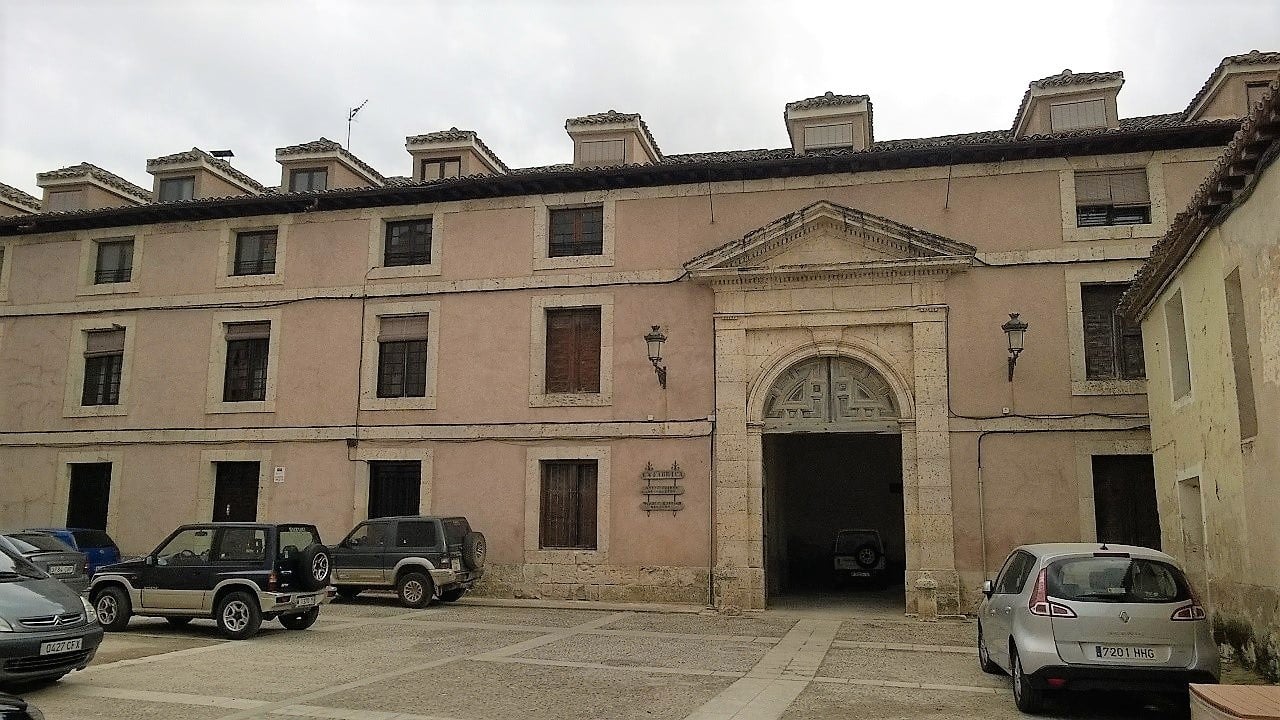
(832, 482)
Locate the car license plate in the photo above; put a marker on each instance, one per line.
(62, 569)
(307, 600)
(1124, 653)
(61, 646)
(859, 573)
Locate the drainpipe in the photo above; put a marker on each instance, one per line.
(711, 476)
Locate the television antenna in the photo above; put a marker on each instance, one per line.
(351, 115)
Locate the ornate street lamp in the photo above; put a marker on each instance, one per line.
(1016, 332)
(653, 340)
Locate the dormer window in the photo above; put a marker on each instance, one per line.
(179, 188)
(828, 136)
(602, 151)
(308, 180)
(1114, 197)
(64, 200)
(1078, 115)
(441, 168)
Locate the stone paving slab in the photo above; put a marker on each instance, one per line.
(549, 617)
(907, 666)
(132, 645)
(827, 701)
(942, 632)
(774, 626)
(502, 691)
(63, 704)
(726, 655)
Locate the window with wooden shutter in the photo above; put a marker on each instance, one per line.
(1112, 345)
(1078, 115)
(573, 350)
(1112, 197)
(402, 356)
(568, 505)
(576, 231)
(103, 361)
(246, 372)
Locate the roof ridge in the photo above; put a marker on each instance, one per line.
(1253, 57)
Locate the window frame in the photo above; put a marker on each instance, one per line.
(229, 233)
(215, 384)
(256, 350)
(1116, 335)
(310, 173)
(1076, 277)
(1159, 214)
(168, 182)
(538, 395)
(577, 526)
(90, 240)
(112, 375)
(441, 163)
(258, 264)
(121, 273)
(372, 350)
(1178, 344)
(578, 221)
(413, 363)
(1114, 214)
(543, 260)
(416, 258)
(1101, 102)
(532, 505)
(576, 382)
(74, 382)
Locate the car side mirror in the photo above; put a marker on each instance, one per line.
(150, 560)
(987, 588)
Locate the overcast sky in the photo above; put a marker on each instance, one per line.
(115, 83)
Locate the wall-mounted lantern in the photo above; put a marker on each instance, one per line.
(653, 340)
(1016, 332)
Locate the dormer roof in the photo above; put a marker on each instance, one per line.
(16, 198)
(1251, 58)
(826, 115)
(1061, 84)
(195, 157)
(614, 120)
(326, 148)
(89, 172)
(828, 99)
(455, 138)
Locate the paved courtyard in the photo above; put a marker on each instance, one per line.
(373, 660)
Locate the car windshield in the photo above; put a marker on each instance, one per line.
(849, 540)
(294, 538)
(14, 567)
(1116, 579)
(42, 542)
(21, 545)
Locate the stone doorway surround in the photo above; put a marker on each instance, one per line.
(832, 281)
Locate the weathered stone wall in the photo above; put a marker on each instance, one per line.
(606, 583)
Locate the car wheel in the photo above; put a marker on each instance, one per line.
(474, 550)
(453, 595)
(300, 621)
(1027, 698)
(315, 566)
(867, 555)
(984, 657)
(113, 608)
(178, 621)
(239, 616)
(348, 592)
(415, 590)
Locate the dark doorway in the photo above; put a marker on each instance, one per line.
(89, 496)
(235, 492)
(395, 487)
(1124, 500)
(819, 484)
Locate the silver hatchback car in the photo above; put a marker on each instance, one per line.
(1082, 616)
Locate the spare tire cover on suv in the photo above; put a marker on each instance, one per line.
(474, 550)
(314, 567)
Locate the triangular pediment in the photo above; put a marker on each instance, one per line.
(825, 237)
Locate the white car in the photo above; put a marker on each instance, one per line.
(1082, 616)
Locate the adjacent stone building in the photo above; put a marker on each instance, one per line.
(645, 376)
(1209, 304)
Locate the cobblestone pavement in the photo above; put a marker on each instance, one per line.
(372, 660)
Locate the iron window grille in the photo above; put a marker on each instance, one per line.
(103, 363)
(568, 505)
(576, 231)
(402, 356)
(255, 253)
(248, 346)
(407, 242)
(114, 262)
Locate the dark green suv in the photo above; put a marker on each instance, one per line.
(420, 556)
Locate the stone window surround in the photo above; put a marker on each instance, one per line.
(6, 267)
(1185, 475)
(74, 384)
(377, 237)
(533, 504)
(227, 232)
(1175, 288)
(369, 399)
(89, 260)
(538, 396)
(62, 486)
(360, 498)
(218, 362)
(1149, 161)
(1085, 451)
(1076, 276)
(209, 479)
(542, 228)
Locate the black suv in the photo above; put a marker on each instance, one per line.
(421, 557)
(237, 573)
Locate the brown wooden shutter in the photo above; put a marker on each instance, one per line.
(561, 351)
(1098, 303)
(1129, 187)
(1132, 364)
(104, 342)
(248, 331)
(1092, 189)
(587, 337)
(393, 328)
(586, 520)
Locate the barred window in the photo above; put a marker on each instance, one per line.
(1112, 345)
(407, 242)
(255, 253)
(114, 261)
(402, 356)
(576, 231)
(568, 504)
(248, 345)
(103, 362)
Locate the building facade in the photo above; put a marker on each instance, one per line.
(1208, 301)
(475, 339)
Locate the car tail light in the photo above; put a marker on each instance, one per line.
(1191, 611)
(1041, 605)
(1056, 682)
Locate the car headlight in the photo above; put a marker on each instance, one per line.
(90, 615)
(5, 626)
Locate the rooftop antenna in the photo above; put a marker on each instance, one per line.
(351, 115)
